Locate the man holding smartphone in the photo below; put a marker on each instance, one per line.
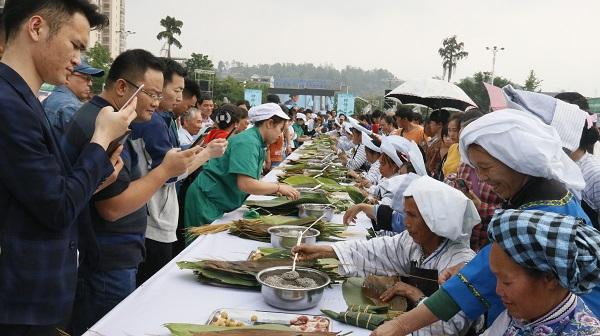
(157, 137)
(44, 197)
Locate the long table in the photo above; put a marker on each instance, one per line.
(175, 296)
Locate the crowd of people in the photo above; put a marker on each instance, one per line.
(98, 190)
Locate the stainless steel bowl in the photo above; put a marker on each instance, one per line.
(316, 210)
(293, 299)
(286, 236)
(310, 190)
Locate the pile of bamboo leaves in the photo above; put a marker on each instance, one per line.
(242, 274)
(285, 206)
(257, 228)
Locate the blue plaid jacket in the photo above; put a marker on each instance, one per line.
(43, 207)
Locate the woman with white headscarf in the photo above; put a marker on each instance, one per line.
(344, 143)
(401, 162)
(371, 177)
(439, 220)
(543, 262)
(523, 160)
(356, 160)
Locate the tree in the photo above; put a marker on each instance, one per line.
(532, 83)
(198, 61)
(99, 57)
(473, 87)
(451, 52)
(172, 27)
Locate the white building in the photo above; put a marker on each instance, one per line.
(114, 36)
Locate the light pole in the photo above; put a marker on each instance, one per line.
(494, 50)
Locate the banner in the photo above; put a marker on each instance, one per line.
(345, 103)
(253, 96)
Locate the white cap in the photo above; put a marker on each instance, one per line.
(368, 142)
(301, 116)
(354, 123)
(393, 144)
(348, 127)
(266, 111)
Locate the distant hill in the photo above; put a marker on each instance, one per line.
(361, 82)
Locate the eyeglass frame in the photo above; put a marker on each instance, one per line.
(152, 96)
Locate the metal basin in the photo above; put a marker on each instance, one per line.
(293, 299)
(316, 210)
(286, 236)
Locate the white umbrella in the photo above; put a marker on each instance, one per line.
(432, 93)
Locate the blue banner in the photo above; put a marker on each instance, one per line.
(253, 96)
(345, 103)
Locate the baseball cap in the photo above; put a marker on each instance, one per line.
(266, 111)
(87, 69)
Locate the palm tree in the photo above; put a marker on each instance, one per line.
(451, 52)
(172, 27)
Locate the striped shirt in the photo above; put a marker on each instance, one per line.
(590, 168)
(373, 175)
(357, 159)
(390, 256)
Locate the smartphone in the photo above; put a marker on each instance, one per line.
(112, 147)
(133, 96)
(199, 140)
(462, 185)
(231, 133)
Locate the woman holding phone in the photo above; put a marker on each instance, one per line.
(227, 119)
(225, 183)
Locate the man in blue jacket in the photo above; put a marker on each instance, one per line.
(43, 198)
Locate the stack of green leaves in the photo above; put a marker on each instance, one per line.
(258, 229)
(285, 206)
(242, 274)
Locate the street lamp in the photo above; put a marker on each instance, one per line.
(494, 50)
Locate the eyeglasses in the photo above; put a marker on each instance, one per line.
(153, 96)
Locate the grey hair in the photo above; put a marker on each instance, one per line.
(190, 114)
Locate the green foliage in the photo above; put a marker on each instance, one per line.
(172, 28)
(198, 61)
(532, 83)
(451, 52)
(473, 87)
(99, 57)
(361, 82)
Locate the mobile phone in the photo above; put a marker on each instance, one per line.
(231, 133)
(112, 147)
(133, 96)
(462, 185)
(199, 140)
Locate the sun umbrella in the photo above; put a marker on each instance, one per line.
(432, 93)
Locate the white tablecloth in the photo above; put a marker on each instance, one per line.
(175, 296)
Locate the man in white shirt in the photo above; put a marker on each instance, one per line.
(206, 106)
(191, 123)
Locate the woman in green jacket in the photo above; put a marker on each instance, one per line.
(226, 182)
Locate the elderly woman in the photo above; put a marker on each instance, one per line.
(438, 221)
(356, 160)
(401, 163)
(371, 177)
(522, 159)
(543, 261)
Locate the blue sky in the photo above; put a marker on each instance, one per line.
(558, 39)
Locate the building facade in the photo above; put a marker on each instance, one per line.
(114, 36)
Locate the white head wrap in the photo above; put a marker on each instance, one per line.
(523, 143)
(567, 119)
(447, 212)
(266, 111)
(391, 145)
(347, 127)
(356, 125)
(368, 142)
(301, 116)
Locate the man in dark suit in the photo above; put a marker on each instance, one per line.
(43, 198)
